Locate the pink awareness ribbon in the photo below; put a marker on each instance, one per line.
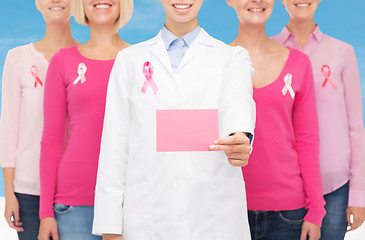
(327, 73)
(81, 70)
(148, 72)
(288, 79)
(35, 72)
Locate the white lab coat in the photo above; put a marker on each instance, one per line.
(148, 195)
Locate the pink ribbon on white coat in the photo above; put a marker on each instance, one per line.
(288, 79)
(327, 73)
(148, 73)
(81, 70)
(35, 72)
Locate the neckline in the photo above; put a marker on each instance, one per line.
(281, 73)
(76, 47)
(41, 55)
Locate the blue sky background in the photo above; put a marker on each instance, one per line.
(21, 23)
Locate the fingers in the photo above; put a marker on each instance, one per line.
(9, 221)
(12, 219)
(310, 230)
(348, 219)
(237, 138)
(304, 234)
(238, 159)
(231, 148)
(358, 215)
(236, 147)
(238, 163)
(17, 222)
(52, 235)
(355, 225)
(48, 228)
(357, 222)
(55, 235)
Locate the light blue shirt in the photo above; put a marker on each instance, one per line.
(177, 47)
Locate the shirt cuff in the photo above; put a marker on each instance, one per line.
(315, 216)
(356, 198)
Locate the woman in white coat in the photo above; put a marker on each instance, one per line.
(145, 194)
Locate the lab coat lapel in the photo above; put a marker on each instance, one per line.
(160, 52)
(201, 42)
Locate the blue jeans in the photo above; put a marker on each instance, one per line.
(75, 222)
(29, 216)
(334, 224)
(281, 225)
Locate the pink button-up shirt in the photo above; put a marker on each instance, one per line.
(21, 121)
(338, 97)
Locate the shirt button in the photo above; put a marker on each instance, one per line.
(180, 43)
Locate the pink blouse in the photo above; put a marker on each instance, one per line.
(340, 116)
(21, 121)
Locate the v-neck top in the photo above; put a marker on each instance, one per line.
(340, 112)
(74, 99)
(283, 171)
(21, 121)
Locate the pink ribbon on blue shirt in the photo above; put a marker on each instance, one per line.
(35, 73)
(148, 73)
(327, 73)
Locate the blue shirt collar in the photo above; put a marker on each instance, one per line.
(168, 37)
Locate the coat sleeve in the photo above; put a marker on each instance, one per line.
(110, 186)
(10, 112)
(237, 111)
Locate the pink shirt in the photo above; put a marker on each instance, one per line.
(21, 121)
(341, 128)
(283, 172)
(75, 94)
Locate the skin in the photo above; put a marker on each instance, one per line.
(58, 35)
(301, 24)
(104, 44)
(268, 58)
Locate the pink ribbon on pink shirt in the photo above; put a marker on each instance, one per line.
(288, 80)
(148, 72)
(327, 73)
(35, 72)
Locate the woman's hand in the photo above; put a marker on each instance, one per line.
(311, 230)
(358, 214)
(11, 212)
(47, 229)
(112, 237)
(237, 148)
